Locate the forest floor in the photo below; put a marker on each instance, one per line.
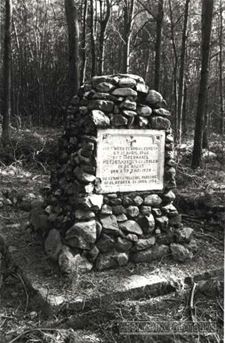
(24, 173)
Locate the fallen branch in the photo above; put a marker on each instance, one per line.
(25, 290)
(220, 306)
(3, 217)
(191, 305)
(190, 175)
(30, 331)
(6, 317)
(203, 235)
(189, 216)
(10, 218)
(192, 219)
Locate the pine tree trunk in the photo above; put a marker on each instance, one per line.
(159, 21)
(205, 140)
(93, 56)
(175, 67)
(126, 55)
(128, 10)
(73, 42)
(221, 128)
(181, 73)
(6, 105)
(184, 111)
(83, 45)
(103, 26)
(207, 13)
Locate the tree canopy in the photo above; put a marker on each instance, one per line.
(159, 40)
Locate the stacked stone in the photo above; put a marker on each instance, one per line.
(88, 229)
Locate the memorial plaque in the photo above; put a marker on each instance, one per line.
(130, 160)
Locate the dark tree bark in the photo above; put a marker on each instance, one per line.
(205, 140)
(184, 111)
(221, 121)
(181, 72)
(93, 55)
(159, 21)
(73, 41)
(128, 10)
(6, 105)
(83, 44)
(103, 25)
(207, 14)
(175, 65)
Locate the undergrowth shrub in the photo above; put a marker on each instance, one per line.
(30, 147)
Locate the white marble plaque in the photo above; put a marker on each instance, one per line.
(130, 160)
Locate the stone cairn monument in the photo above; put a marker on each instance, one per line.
(111, 196)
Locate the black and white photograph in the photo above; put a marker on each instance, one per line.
(112, 171)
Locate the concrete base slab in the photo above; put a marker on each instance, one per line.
(98, 289)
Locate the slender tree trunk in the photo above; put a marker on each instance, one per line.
(73, 37)
(181, 73)
(147, 66)
(6, 106)
(207, 13)
(205, 140)
(175, 66)
(18, 65)
(126, 39)
(221, 128)
(128, 11)
(103, 25)
(119, 57)
(83, 45)
(184, 111)
(126, 56)
(175, 97)
(159, 21)
(93, 56)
